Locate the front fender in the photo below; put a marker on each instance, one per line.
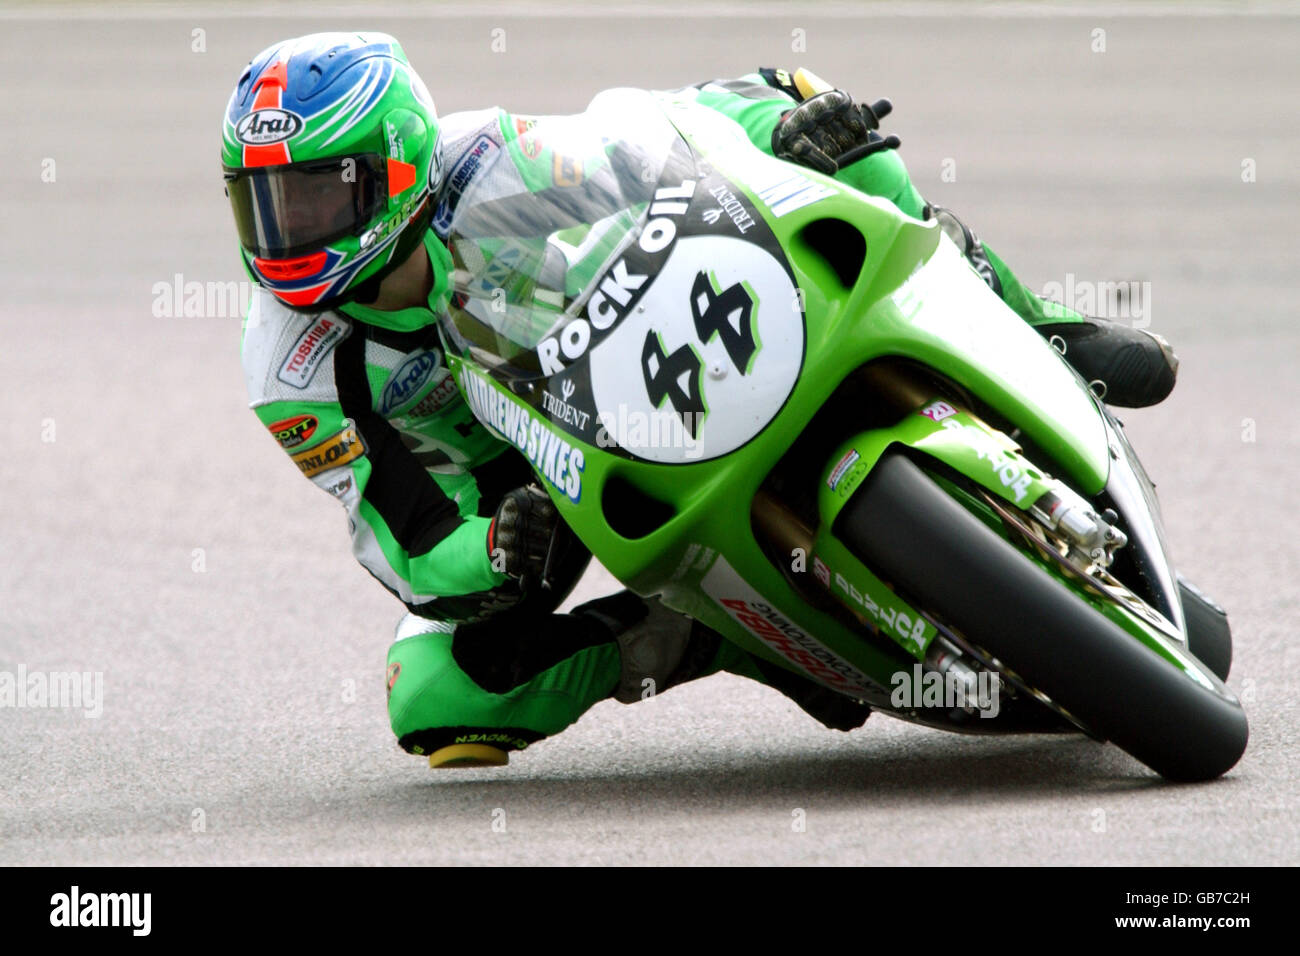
(944, 316)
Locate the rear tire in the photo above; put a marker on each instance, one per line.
(904, 527)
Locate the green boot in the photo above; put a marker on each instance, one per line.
(436, 708)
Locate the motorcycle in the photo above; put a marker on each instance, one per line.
(799, 416)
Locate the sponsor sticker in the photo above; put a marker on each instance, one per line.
(1009, 467)
(751, 611)
(558, 407)
(623, 284)
(938, 411)
(729, 205)
(842, 467)
(559, 463)
(406, 382)
(822, 571)
(566, 171)
(435, 165)
(783, 189)
(335, 451)
(439, 396)
(294, 431)
(695, 558)
(477, 158)
(311, 348)
(471, 161)
(268, 125)
(528, 141)
(340, 488)
(913, 635)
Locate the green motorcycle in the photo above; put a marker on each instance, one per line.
(799, 416)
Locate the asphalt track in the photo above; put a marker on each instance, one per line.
(150, 532)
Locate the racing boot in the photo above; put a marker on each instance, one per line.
(467, 694)
(424, 645)
(1124, 366)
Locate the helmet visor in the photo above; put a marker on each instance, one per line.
(286, 211)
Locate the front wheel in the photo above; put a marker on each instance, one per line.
(904, 527)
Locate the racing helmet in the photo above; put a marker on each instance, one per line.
(331, 153)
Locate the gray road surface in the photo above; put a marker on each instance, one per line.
(150, 531)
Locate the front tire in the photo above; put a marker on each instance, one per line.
(1208, 635)
(904, 527)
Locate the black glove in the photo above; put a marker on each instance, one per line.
(519, 538)
(828, 131)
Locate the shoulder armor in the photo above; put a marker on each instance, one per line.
(288, 355)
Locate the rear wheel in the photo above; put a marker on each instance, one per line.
(904, 527)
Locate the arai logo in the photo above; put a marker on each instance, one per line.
(407, 380)
(268, 125)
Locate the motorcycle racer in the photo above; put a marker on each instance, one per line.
(343, 182)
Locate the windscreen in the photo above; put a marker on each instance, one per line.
(532, 233)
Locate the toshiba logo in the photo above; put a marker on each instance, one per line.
(310, 350)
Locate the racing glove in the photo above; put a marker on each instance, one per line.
(828, 131)
(519, 537)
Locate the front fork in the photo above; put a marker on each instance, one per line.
(855, 595)
(1008, 488)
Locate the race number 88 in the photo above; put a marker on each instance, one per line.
(727, 314)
